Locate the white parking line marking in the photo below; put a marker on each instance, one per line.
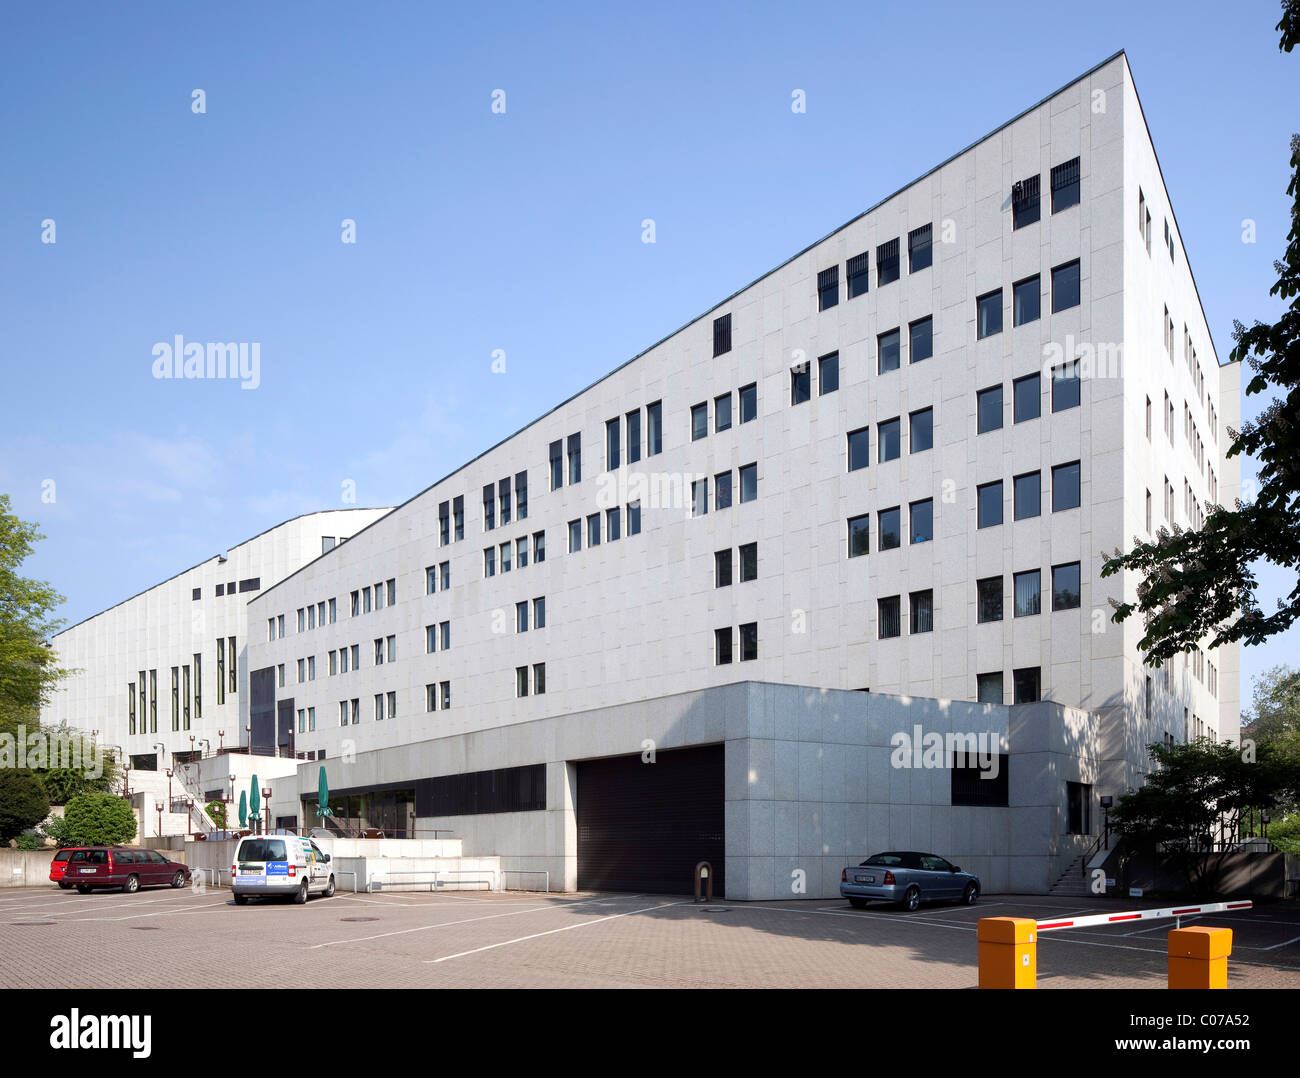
(550, 932)
(463, 921)
(1286, 943)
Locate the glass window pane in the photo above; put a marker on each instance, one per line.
(921, 340)
(888, 440)
(1027, 593)
(859, 535)
(1026, 301)
(828, 373)
(922, 521)
(1065, 287)
(1065, 587)
(1027, 495)
(921, 430)
(989, 504)
(989, 408)
(859, 448)
(888, 345)
(891, 533)
(1065, 486)
(989, 314)
(1027, 396)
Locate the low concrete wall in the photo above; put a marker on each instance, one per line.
(25, 868)
(1235, 875)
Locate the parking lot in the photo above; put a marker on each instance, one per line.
(169, 939)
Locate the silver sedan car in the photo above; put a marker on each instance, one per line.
(908, 879)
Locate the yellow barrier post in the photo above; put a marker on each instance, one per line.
(1198, 957)
(1008, 952)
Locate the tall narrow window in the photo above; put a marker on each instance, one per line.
(800, 384)
(557, 464)
(859, 448)
(887, 351)
(699, 421)
(748, 482)
(920, 253)
(828, 374)
(722, 413)
(1065, 286)
(634, 436)
(722, 335)
(858, 271)
(888, 622)
(888, 440)
(221, 670)
(1025, 209)
(489, 508)
(575, 458)
(1028, 593)
(654, 429)
(887, 263)
(988, 594)
(828, 288)
(748, 402)
(921, 430)
(1027, 395)
(198, 685)
(988, 310)
(920, 340)
(613, 443)
(505, 502)
(444, 528)
(988, 409)
(1026, 300)
(890, 528)
(458, 516)
(1027, 491)
(722, 568)
(921, 605)
(1065, 185)
(521, 495)
(859, 535)
(722, 639)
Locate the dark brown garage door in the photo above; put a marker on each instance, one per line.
(644, 827)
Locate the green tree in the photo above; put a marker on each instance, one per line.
(1198, 584)
(216, 811)
(23, 803)
(98, 819)
(65, 783)
(1200, 791)
(28, 672)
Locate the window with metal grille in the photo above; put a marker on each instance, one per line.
(1065, 185)
(1025, 208)
(975, 787)
(920, 252)
(828, 288)
(858, 272)
(722, 335)
(887, 262)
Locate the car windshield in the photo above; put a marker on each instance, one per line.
(263, 849)
(62, 855)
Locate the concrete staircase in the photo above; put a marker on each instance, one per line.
(1071, 883)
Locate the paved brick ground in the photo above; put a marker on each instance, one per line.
(169, 939)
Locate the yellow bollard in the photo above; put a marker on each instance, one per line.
(1198, 957)
(1008, 952)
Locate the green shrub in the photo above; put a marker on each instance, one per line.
(23, 802)
(99, 819)
(31, 840)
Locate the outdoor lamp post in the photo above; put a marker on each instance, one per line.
(221, 739)
(1106, 802)
(170, 772)
(1264, 818)
(189, 814)
(126, 781)
(266, 810)
(159, 809)
(191, 746)
(248, 730)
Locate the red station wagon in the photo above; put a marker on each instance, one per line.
(115, 866)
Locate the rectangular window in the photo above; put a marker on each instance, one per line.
(1065, 586)
(302, 619)
(302, 671)
(828, 288)
(748, 402)
(859, 535)
(722, 639)
(1065, 286)
(800, 384)
(444, 575)
(343, 660)
(1148, 512)
(1026, 301)
(972, 786)
(721, 491)
(333, 663)
(988, 594)
(458, 516)
(613, 442)
(430, 579)
(988, 311)
(699, 497)
(699, 421)
(557, 464)
(654, 414)
(1065, 185)
(504, 554)
(356, 710)
(430, 639)
(634, 436)
(198, 685)
(1027, 398)
(490, 562)
(634, 518)
(392, 649)
(1025, 208)
(489, 507)
(1065, 486)
(920, 252)
(722, 335)
(988, 504)
(1028, 589)
(1066, 386)
(521, 617)
(391, 585)
(379, 597)
(311, 668)
(748, 562)
(988, 688)
(539, 613)
(614, 522)
(887, 263)
(920, 340)
(176, 697)
(1027, 495)
(430, 699)
(379, 707)
(890, 523)
(521, 495)
(888, 440)
(888, 351)
(593, 530)
(575, 536)
(858, 270)
(1025, 683)
(749, 642)
(521, 681)
(575, 458)
(920, 427)
(722, 413)
(505, 500)
(356, 656)
(1148, 419)
(539, 679)
(334, 611)
(379, 654)
(234, 665)
(828, 373)
(859, 448)
(748, 482)
(722, 568)
(444, 524)
(988, 409)
(921, 604)
(153, 696)
(922, 520)
(444, 635)
(889, 623)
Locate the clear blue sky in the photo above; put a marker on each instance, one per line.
(478, 232)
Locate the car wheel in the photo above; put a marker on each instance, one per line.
(64, 885)
(179, 879)
(858, 903)
(83, 889)
(329, 891)
(131, 886)
(241, 900)
(912, 899)
(301, 897)
(970, 895)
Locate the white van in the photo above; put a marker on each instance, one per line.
(283, 865)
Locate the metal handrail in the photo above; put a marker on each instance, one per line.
(526, 872)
